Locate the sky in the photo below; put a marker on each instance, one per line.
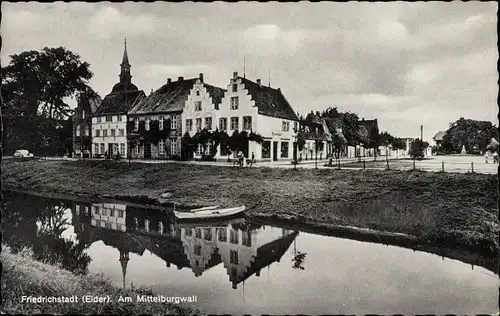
(406, 64)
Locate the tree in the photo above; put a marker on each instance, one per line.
(398, 144)
(417, 149)
(386, 140)
(34, 86)
(187, 146)
(474, 135)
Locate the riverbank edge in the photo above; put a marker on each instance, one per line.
(24, 276)
(300, 223)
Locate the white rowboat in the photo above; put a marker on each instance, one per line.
(211, 213)
(204, 208)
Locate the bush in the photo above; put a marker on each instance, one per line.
(417, 149)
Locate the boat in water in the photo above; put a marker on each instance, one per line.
(210, 212)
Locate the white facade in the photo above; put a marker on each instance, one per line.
(109, 134)
(109, 215)
(237, 111)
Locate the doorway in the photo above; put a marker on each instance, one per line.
(147, 150)
(275, 151)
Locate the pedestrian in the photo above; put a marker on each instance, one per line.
(486, 156)
(495, 157)
(253, 158)
(240, 158)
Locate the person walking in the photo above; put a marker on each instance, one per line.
(486, 156)
(495, 157)
(240, 158)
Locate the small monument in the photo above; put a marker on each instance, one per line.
(463, 152)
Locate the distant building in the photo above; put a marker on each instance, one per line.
(370, 131)
(82, 124)
(438, 138)
(109, 123)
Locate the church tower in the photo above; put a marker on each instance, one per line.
(124, 258)
(125, 76)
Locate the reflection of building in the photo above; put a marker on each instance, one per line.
(243, 250)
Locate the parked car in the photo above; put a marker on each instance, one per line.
(22, 153)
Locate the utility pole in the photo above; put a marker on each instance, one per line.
(422, 133)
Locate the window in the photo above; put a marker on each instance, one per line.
(197, 233)
(113, 132)
(189, 125)
(173, 146)
(161, 147)
(207, 234)
(233, 257)
(136, 124)
(160, 123)
(247, 122)
(121, 213)
(102, 149)
(122, 149)
(197, 92)
(235, 103)
(160, 228)
(266, 149)
(246, 239)
(286, 126)
(222, 234)
(86, 131)
(96, 149)
(146, 225)
(83, 114)
(111, 213)
(137, 149)
(109, 118)
(234, 123)
(98, 119)
(77, 130)
(199, 150)
(121, 132)
(97, 133)
(173, 122)
(147, 123)
(197, 250)
(115, 148)
(188, 232)
(198, 124)
(235, 87)
(223, 123)
(197, 105)
(120, 118)
(104, 133)
(208, 123)
(233, 236)
(295, 126)
(284, 149)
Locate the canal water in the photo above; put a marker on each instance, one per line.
(236, 267)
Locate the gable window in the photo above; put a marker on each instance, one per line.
(197, 92)
(208, 123)
(160, 123)
(77, 130)
(161, 147)
(235, 102)
(233, 236)
(136, 124)
(223, 123)
(234, 123)
(247, 122)
(198, 124)
(286, 126)
(147, 123)
(173, 122)
(235, 87)
(109, 118)
(189, 125)
(197, 105)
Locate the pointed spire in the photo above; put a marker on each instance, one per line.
(244, 66)
(124, 258)
(269, 76)
(125, 55)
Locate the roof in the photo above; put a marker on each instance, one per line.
(169, 98)
(119, 102)
(370, 125)
(439, 135)
(269, 101)
(89, 103)
(215, 93)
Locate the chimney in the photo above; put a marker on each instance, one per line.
(279, 89)
(169, 80)
(259, 83)
(151, 91)
(235, 75)
(181, 78)
(201, 77)
(363, 119)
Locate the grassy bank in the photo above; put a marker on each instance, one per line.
(22, 275)
(453, 210)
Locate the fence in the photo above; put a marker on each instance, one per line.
(431, 165)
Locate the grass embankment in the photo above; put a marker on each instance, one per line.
(21, 275)
(453, 210)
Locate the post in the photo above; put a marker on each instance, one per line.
(364, 165)
(316, 158)
(442, 166)
(413, 164)
(472, 166)
(338, 164)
